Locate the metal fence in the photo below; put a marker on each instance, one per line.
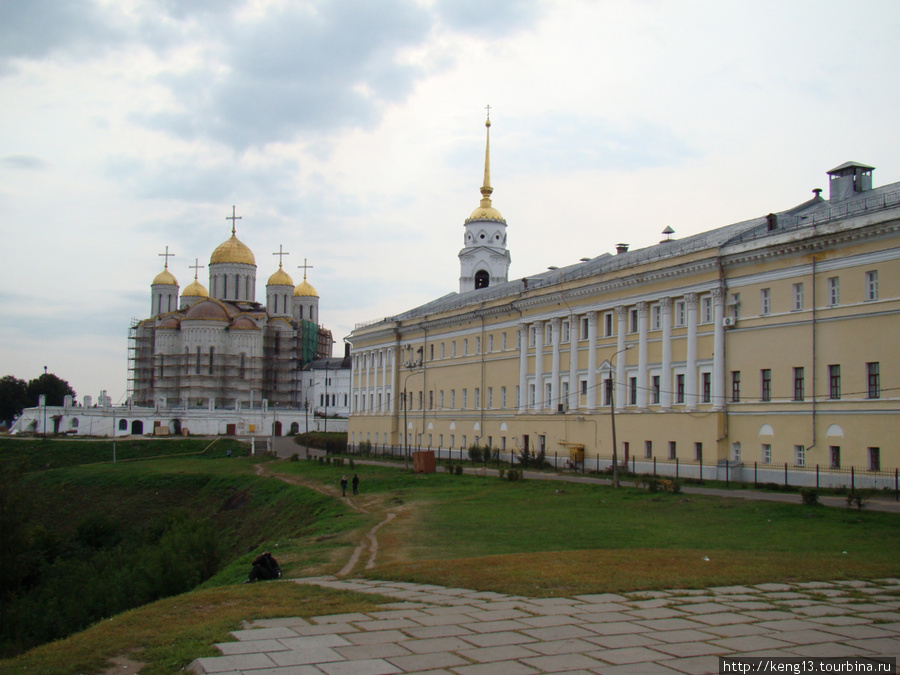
(756, 474)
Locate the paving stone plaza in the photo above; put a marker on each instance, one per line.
(432, 630)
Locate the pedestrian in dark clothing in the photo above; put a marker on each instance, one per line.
(343, 486)
(264, 567)
(355, 484)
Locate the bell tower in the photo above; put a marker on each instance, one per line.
(484, 259)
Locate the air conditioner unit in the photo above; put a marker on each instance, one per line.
(728, 321)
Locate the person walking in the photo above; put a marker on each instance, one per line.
(355, 484)
(344, 485)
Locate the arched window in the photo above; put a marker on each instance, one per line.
(123, 425)
(74, 423)
(482, 279)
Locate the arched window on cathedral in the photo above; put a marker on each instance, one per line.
(197, 365)
(123, 425)
(482, 279)
(225, 286)
(243, 365)
(211, 352)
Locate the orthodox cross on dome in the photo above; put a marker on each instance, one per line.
(196, 267)
(166, 255)
(281, 253)
(488, 108)
(233, 218)
(304, 267)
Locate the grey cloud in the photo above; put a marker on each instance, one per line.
(487, 17)
(35, 28)
(27, 162)
(316, 68)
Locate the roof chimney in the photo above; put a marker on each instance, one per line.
(848, 179)
(621, 248)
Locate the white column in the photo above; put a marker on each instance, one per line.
(573, 363)
(539, 366)
(622, 315)
(665, 394)
(354, 388)
(719, 349)
(554, 367)
(394, 381)
(369, 356)
(523, 367)
(690, 394)
(643, 378)
(592, 361)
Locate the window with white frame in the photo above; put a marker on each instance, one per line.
(465, 398)
(656, 317)
(706, 309)
(566, 333)
(736, 452)
(608, 325)
(465, 346)
(503, 340)
(548, 333)
(765, 301)
(478, 345)
(871, 285)
(502, 397)
(766, 456)
(798, 297)
(490, 397)
(477, 397)
(834, 291)
(441, 399)
(453, 399)
(584, 328)
(680, 313)
(632, 321)
(491, 342)
(453, 348)
(799, 455)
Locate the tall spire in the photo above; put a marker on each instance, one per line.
(486, 189)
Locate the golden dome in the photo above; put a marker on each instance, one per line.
(280, 278)
(486, 213)
(233, 251)
(207, 310)
(485, 210)
(195, 290)
(305, 290)
(165, 278)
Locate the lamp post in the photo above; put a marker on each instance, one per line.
(612, 414)
(410, 363)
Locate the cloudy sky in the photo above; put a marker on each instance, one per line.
(352, 133)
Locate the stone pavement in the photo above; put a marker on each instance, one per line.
(433, 630)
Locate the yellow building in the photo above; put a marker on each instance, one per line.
(757, 345)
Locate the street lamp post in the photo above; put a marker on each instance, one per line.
(410, 363)
(612, 415)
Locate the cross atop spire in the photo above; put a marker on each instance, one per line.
(304, 267)
(166, 255)
(281, 253)
(488, 108)
(196, 267)
(233, 218)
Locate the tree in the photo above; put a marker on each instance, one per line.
(54, 388)
(12, 398)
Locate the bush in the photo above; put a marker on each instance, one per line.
(810, 496)
(458, 470)
(856, 498)
(295, 457)
(475, 453)
(514, 475)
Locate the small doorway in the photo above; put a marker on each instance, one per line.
(230, 429)
(278, 428)
(137, 428)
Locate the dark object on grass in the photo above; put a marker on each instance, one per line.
(264, 567)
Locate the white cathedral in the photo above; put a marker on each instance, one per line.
(221, 348)
(217, 361)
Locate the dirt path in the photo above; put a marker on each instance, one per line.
(369, 539)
